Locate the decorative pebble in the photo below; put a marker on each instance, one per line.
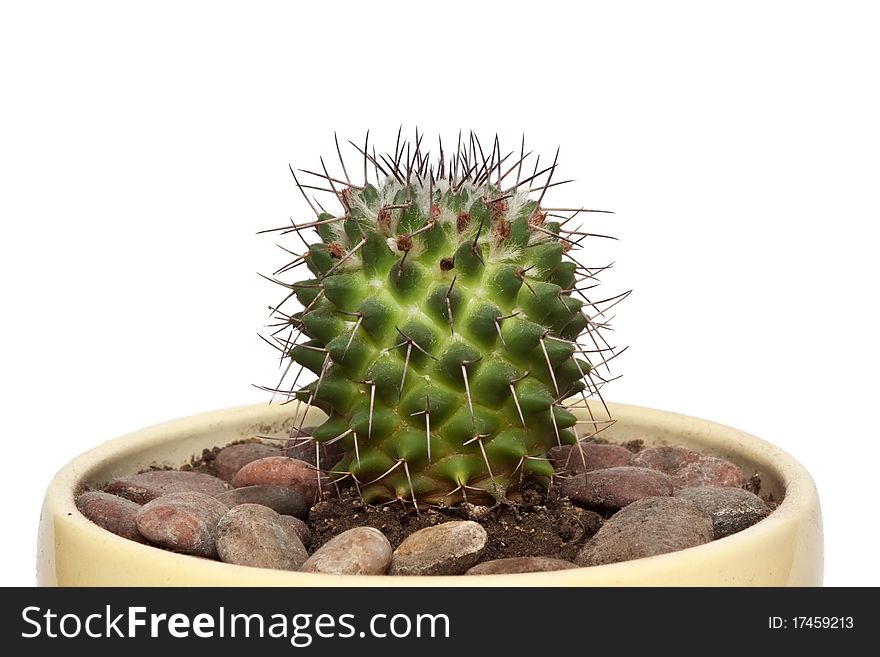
(647, 527)
(301, 528)
(255, 535)
(515, 565)
(731, 509)
(709, 471)
(113, 513)
(280, 499)
(449, 548)
(146, 486)
(358, 551)
(184, 522)
(303, 448)
(665, 459)
(230, 460)
(280, 471)
(615, 488)
(596, 456)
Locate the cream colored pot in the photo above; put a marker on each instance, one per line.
(784, 549)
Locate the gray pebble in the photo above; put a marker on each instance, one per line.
(358, 551)
(449, 548)
(184, 522)
(731, 509)
(615, 488)
(647, 527)
(255, 535)
(146, 486)
(303, 448)
(115, 514)
(300, 528)
(280, 499)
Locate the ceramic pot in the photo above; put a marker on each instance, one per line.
(784, 549)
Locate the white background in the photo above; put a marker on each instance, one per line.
(143, 145)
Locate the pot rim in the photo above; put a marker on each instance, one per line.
(795, 481)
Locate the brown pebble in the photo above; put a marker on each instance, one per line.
(449, 548)
(301, 528)
(358, 551)
(146, 486)
(615, 488)
(254, 535)
(709, 471)
(113, 513)
(184, 522)
(593, 456)
(515, 565)
(280, 499)
(645, 528)
(280, 471)
(230, 460)
(665, 459)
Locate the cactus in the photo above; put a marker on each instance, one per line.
(441, 322)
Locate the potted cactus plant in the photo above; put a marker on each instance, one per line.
(441, 319)
(457, 351)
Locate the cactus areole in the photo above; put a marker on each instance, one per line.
(441, 321)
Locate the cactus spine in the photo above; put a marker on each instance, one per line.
(441, 322)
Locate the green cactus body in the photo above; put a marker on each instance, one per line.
(442, 330)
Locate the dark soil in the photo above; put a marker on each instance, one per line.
(205, 462)
(544, 524)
